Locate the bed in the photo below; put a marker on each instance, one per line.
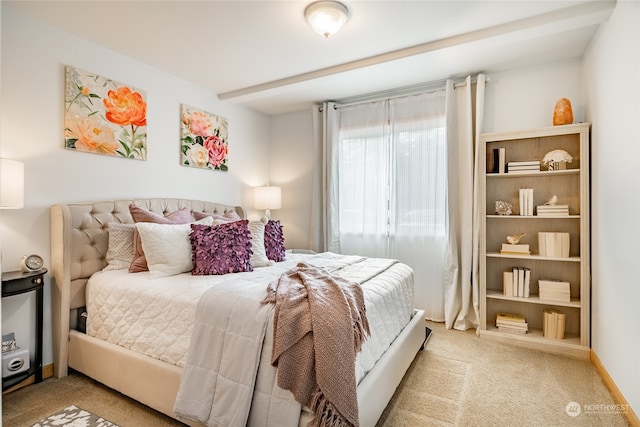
(79, 243)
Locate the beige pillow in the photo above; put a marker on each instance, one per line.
(120, 251)
(227, 217)
(167, 247)
(259, 257)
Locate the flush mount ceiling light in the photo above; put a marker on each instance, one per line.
(326, 17)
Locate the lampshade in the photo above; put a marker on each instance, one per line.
(326, 17)
(267, 198)
(11, 184)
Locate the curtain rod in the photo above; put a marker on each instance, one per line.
(394, 93)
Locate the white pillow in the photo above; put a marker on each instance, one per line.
(167, 247)
(259, 257)
(120, 251)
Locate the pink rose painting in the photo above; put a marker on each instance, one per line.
(103, 116)
(204, 140)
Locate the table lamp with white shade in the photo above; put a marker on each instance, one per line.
(11, 184)
(267, 198)
(11, 187)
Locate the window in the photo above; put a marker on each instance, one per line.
(392, 178)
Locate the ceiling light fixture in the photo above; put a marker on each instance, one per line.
(326, 17)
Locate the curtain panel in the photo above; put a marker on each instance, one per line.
(397, 179)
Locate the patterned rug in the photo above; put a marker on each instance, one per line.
(75, 417)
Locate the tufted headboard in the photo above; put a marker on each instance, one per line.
(79, 241)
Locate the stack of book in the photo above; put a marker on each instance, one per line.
(515, 283)
(519, 249)
(526, 201)
(511, 323)
(553, 323)
(554, 290)
(555, 245)
(552, 210)
(523, 167)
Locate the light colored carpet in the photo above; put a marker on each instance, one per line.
(462, 380)
(458, 380)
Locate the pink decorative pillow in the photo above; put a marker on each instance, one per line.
(181, 216)
(274, 241)
(221, 249)
(227, 217)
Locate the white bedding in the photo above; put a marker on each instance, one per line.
(155, 316)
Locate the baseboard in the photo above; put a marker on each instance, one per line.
(615, 391)
(47, 372)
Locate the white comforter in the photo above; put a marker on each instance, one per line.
(155, 317)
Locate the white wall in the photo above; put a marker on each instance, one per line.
(31, 130)
(524, 98)
(612, 87)
(292, 165)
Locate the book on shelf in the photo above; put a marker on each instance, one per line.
(511, 323)
(517, 282)
(552, 210)
(523, 167)
(499, 160)
(518, 249)
(509, 330)
(525, 197)
(507, 284)
(517, 171)
(554, 245)
(524, 163)
(514, 317)
(554, 290)
(553, 324)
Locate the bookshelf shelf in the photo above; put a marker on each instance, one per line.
(533, 256)
(571, 187)
(534, 299)
(534, 174)
(570, 345)
(534, 217)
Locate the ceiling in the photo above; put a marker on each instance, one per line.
(264, 55)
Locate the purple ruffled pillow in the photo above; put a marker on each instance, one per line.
(274, 241)
(221, 249)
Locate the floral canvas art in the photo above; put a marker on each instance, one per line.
(104, 116)
(204, 139)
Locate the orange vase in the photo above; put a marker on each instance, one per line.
(562, 113)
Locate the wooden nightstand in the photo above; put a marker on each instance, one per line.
(19, 282)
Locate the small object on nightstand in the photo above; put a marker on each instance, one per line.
(16, 283)
(31, 262)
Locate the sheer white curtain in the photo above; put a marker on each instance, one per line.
(418, 205)
(386, 197)
(462, 225)
(398, 179)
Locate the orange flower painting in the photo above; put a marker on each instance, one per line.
(104, 116)
(204, 140)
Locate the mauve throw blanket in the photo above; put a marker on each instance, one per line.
(320, 324)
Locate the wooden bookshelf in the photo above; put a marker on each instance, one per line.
(571, 186)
